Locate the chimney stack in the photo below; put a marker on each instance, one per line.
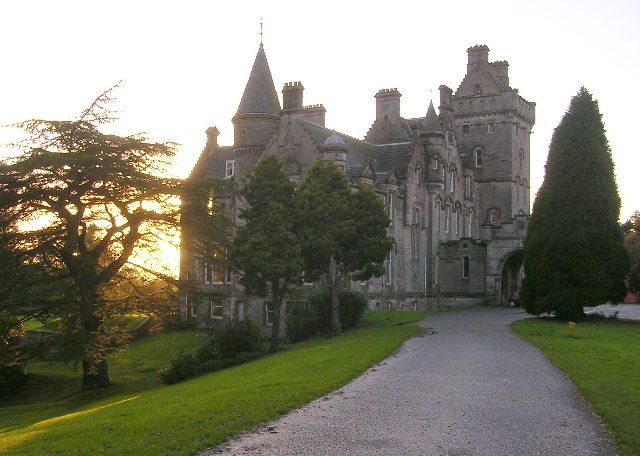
(478, 56)
(387, 103)
(292, 96)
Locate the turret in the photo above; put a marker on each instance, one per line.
(335, 150)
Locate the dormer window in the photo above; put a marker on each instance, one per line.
(230, 168)
(477, 89)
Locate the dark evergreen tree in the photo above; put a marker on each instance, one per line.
(266, 249)
(574, 254)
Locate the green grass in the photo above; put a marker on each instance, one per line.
(603, 359)
(138, 416)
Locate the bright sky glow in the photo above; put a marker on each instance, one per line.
(184, 64)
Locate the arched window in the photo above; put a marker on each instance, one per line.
(467, 187)
(457, 221)
(477, 155)
(418, 174)
(436, 218)
(521, 155)
(470, 224)
(494, 215)
(477, 89)
(415, 233)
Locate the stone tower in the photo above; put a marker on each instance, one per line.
(493, 126)
(258, 116)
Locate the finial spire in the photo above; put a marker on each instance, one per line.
(261, 31)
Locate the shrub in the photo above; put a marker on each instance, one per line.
(210, 350)
(303, 321)
(239, 337)
(12, 377)
(306, 321)
(182, 367)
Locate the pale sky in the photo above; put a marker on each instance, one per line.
(184, 64)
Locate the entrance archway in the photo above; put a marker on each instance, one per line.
(512, 274)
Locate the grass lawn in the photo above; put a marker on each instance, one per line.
(603, 359)
(139, 416)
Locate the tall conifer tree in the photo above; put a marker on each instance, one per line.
(574, 255)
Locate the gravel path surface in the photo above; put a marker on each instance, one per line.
(469, 386)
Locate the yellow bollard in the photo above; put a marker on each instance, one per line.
(570, 327)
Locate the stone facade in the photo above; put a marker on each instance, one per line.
(456, 185)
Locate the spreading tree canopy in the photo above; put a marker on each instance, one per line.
(343, 232)
(574, 255)
(266, 248)
(77, 205)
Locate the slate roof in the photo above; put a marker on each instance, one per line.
(335, 142)
(260, 96)
(431, 122)
(394, 158)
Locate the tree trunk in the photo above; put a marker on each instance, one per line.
(94, 368)
(275, 325)
(94, 374)
(334, 286)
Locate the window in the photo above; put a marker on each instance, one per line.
(447, 219)
(477, 89)
(478, 157)
(436, 220)
(465, 267)
(457, 221)
(268, 313)
(517, 129)
(467, 187)
(450, 139)
(239, 311)
(388, 270)
(418, 171)
(452, 180)
(230, 168)
(494, 215)
(215, 272)
(465, 129)
(434, 163)
(470, 223)
(415, 233)
(491, 128)
(444, 176)
(215, 304)
(521, 155)
(390, 198)
(435, 270)
(191, 305)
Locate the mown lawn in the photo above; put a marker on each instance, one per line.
(138, 416)
(603, 359)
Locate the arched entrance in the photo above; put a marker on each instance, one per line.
(512, 274)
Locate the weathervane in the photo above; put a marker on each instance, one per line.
(260, 30)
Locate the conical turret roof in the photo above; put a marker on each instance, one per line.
(335, 143)
(431, 122)
(260, 96)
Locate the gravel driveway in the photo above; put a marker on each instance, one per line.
(469, 386)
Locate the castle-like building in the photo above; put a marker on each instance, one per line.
(456, 185)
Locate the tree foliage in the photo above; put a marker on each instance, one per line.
(574, 256)
(343, 232)
(77, 205)
(266, 248)
(631, 230)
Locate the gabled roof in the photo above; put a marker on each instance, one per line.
(431, 122)
(260, 96)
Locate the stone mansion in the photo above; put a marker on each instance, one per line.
(456, 185)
